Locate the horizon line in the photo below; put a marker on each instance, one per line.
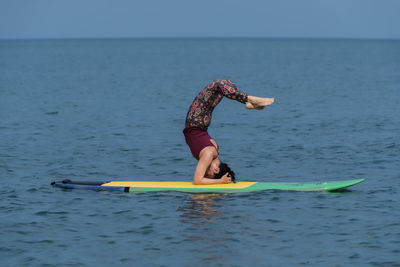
(199, 38)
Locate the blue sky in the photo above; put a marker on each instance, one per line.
(205, 18)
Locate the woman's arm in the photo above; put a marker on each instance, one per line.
(201, 168)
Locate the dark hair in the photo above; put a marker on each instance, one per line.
(223, 169)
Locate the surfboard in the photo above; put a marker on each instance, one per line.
(142, 186)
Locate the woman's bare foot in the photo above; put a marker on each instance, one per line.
(255, 102)
(251, 106)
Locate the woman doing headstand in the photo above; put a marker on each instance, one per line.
(209, 169)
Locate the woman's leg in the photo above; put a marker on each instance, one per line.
(230, 90)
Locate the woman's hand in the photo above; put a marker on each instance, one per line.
(226, 179)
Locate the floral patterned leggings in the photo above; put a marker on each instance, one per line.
(200, 112)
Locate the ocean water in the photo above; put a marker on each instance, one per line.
(115, 110)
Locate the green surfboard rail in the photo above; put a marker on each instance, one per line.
(259, 186)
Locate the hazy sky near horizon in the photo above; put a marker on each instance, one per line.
(206, 18)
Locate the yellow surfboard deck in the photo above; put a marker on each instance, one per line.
(239, 185)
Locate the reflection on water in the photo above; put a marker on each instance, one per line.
(198, 213)
(200, 209)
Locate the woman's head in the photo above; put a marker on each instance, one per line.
(223, 169)
(213, 169)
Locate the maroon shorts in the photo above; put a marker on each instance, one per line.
(197, 139)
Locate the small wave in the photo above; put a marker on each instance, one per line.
(44, 213)
(52, 113)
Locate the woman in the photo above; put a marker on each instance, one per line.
(209, 169)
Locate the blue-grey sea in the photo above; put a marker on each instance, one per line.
(102, 110)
